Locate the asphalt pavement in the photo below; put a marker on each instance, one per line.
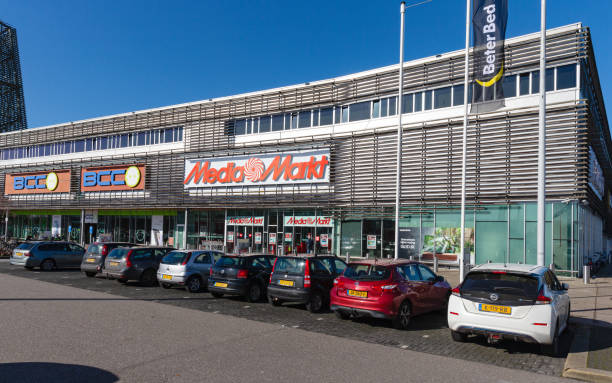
(138, 333)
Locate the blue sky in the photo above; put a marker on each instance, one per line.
(85, 59)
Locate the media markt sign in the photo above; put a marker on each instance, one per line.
(313, 221)
(298, 167)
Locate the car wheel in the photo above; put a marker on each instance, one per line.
(254, 292)
(216, 295)
(194, 284)
(47, 265)
(458, 336)
(402, 319)
(90, 274)
(164, 285)
(274, 301)
(552, 349)
(342, 315)
(148, 277)
(315, 303)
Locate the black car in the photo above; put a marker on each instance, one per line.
(135, 263)
(93, 261)
(304, 279)
(247, 276)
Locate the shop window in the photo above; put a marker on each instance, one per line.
(350, 240)
(566, 76)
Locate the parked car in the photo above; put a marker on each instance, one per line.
(245, 275)
(510, 301)
(93, 261)
(389, 289)
(304, 279)
(187, 268)
(47, 255)
(134, 263)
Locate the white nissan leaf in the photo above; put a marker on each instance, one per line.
(510, 301)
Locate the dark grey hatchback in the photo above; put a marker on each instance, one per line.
(93, 260)
(135, 263)
(240, 275)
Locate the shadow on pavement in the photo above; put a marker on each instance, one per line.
(54, 372)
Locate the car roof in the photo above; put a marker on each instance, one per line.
(308, 256)
(382, 262)
(516, 267)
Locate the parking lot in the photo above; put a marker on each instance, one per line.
(428, 333)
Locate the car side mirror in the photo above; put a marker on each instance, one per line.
(565, 286)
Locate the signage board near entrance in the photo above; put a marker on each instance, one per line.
(308, 220)
(111, 178)
(408, 242)
(230, 237)
(90, 216)
(371, 243)
(56, 181)
(245, 221)
(257, 238)
(288, 237)
(297, 167)
(324, 240)
(272, 238)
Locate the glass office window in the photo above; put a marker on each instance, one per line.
(407, 103)
(294, 120)
(524, 84)
(239, 128)
(509, 86)
(287, 121)
(327, 115)
(566, 76)
(360, 111)
(345, 114)
(168, 135)
(442, 97)
(277, 122)
(336, 115)
(179, 130)
(418, 102)
(305, 119)
(458, 94)
(384, 105)
(264, 124)
(254, 125)
(550, 79)
(392, 104)
(375, 108)
(428, 100)
(141, 138)
(79, 146)
(123, 141)
(535, 82)
(315, 117)
(67, 147)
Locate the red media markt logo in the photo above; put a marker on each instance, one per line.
(253, 169)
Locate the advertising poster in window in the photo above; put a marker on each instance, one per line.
(288, 237)
(230, 237)
(409, 242)
(446, 241)
(371, 242)
(157, 230)
(596, 177)
(257, 238)
(272, 238)
(56, 225)
(324, 240)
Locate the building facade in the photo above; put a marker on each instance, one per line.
(262, 171)
(12, 104)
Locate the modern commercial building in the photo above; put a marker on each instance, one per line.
(262, 170)
(12, 105)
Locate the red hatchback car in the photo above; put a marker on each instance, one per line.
(390, 289)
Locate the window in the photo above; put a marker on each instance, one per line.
(168, 135)
(566, 76)
(254, 126)
(79, 146)
(317, 267)
(294, 120)
(442, 97)
(409, 272)
(202, 258)
(550, 79)
(123, 141)
(509, 86)
(458, 94)
(362, 272)
(264, 124)
(179, 130)
(426, 274)
(360, 111)
(535, 82)
(139, 255)
(392, 103)
(428, 100)
(67, 148)
(345, 114)
(277, 122)
(315, 117)
(261, 263)
(327, 115)
(336, 115)
(76, 248)
(384, 104)
(375, 108)
(305, 119)
(524, 84)
(418, 102)
(141, 138)
(327, 264)
(407, 103)
(340, 266)
(103, 143)
(239, 128)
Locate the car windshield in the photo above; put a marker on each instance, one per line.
(226, 261)
(367, 272)
(25, 246)
(119, 252)
(174, 258)
(289, 265)
(93, 249)
(507, 286)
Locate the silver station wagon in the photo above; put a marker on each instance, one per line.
(188, 268)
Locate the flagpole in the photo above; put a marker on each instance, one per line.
(541, 248)
(464, 147)
(398, 170)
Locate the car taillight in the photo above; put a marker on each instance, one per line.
(211, 271)
(186, 259)
(243, 273)
(307, 274)
(542, 299)
(128, 261)
(104, 250)
(273, 266)
(456, 291)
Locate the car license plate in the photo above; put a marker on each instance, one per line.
(166, 276)
(220, 284)
(495, 309)
(91, 260)
(114, 263)
(355, 293)
(19, 254)
(282, 282)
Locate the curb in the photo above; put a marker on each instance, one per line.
(577, 359)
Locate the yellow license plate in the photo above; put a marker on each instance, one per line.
(495, 309)
(355, 293)
(220, 284)
(91, 260)
(282, 282)
(166, 276)
(114, 263)
(19, 254)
